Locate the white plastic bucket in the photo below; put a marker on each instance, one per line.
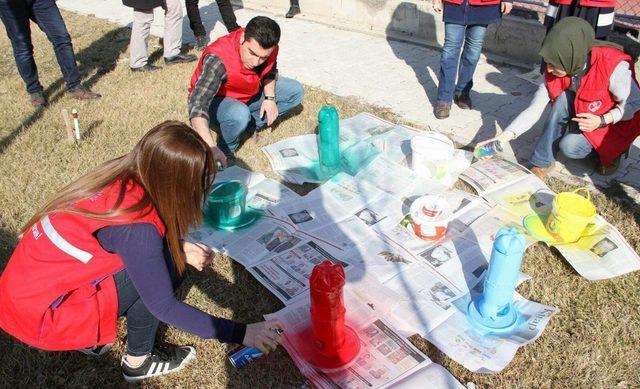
(430, 154)
(430, 216)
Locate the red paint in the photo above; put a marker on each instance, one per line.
(333, 343)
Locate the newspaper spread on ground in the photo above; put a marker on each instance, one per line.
(384, 357)
(602, 254)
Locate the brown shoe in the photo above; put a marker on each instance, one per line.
(37, 99)
(442, 110)
(611, 169)
(81, 93)
(542, 172)
(463, 101)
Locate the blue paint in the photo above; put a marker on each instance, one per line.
(493, 310)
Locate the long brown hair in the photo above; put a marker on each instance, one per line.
(175, 168)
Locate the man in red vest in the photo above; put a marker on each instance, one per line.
(236, 86)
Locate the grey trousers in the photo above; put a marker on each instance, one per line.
(172, 36)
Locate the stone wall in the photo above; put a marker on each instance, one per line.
(514, 40)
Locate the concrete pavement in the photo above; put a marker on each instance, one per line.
(392, 74)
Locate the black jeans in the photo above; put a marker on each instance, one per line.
(15, 15)
(195, 22)
(141, 324)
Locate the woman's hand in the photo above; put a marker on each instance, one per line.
(587, 122)
(263, 335)
(197, 254)
(504, 137)
(505, 7)
(437, 6)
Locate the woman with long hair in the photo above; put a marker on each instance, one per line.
(594, 100)
(108, 245)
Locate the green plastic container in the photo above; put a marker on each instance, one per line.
(226, 204)
(329, 131)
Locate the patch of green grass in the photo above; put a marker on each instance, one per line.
(592, 342)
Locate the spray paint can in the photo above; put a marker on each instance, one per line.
(488, 149)
(244, 355)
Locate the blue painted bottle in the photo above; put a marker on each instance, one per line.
(329, 131)
(493, 310)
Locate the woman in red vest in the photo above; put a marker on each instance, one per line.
(97, 251)
(598, 13)
(594, 96)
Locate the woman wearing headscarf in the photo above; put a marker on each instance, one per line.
(594, 97)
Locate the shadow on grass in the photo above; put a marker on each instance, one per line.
(98, 59)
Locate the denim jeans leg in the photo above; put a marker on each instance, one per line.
(574, 144)
(289, 94)
(47, 15)
(474, 38)
(141, 324)
(559, 117)
(232, 117)
(15, 17)
(449, 56)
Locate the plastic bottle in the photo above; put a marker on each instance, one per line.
(488, 149)
(502, 276)
(328, 128)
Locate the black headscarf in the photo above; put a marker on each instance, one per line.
(568, 44)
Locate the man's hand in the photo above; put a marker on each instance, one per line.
(505, 7)
(437, 6)
(197, 255)
(219, 156)
(262, 335)
(587, 122)
(270, 108)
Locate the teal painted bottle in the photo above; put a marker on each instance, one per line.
(329, 130)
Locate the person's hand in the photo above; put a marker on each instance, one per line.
(505, 7)
(587, 122)
(219, 156)
(262, 335)
(504, 137)
(437, 6)
(197, 255)
(270, 108)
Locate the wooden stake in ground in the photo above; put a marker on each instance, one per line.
(67, 123)
(76, 125)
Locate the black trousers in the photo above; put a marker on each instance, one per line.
(195, 22)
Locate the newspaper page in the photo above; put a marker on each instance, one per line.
(346, 234)
(295, 159)
(529, 196)
(362, 126)
(396, 144)
(601, 255)
(343, 188)
(432, 375)
(492, 174)
(286, 274)
(388, 176)
(384, 356)
(310, 213)
(489, 352)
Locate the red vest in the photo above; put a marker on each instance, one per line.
(475, 2)
(57, 291)
(242, 83)
(593, 96)
(589, 3)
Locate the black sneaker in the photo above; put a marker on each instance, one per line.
(201, 43)
(162, 360)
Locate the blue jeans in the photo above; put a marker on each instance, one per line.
(233, 117)
(15, 15)
(562, 133)
(455, 35)
(141, 324)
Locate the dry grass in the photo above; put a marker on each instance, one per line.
(592, 342)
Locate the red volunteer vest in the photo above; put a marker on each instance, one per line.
(475, 2)
(242, 83)
(589, 3)
(593, 96)
(57, 291)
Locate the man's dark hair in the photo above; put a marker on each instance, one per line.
(264, 30)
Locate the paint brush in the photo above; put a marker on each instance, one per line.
(76, 125)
